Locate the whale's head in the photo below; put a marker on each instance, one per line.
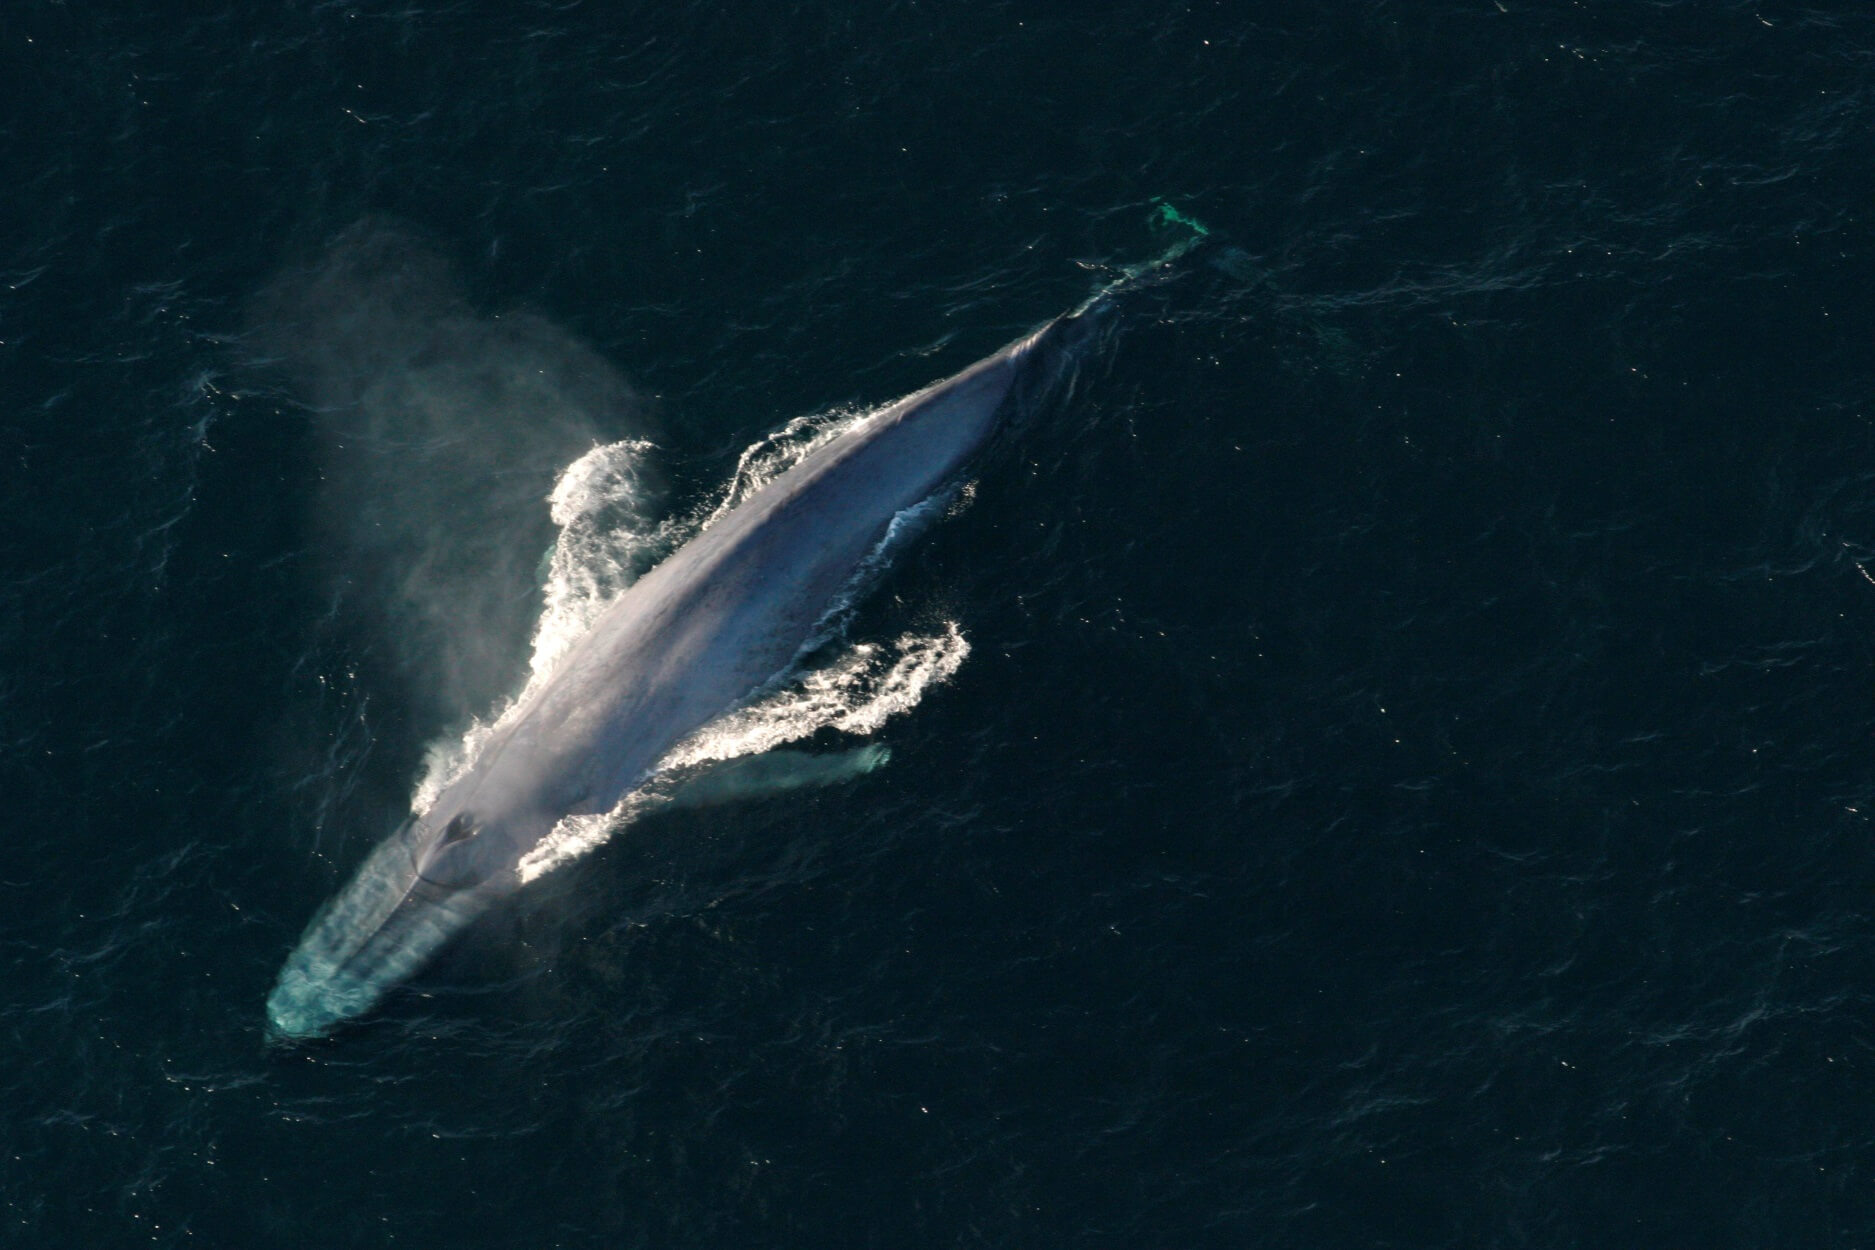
(416, 891)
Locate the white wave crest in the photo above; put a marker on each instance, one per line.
(857, 693)
(605, 543)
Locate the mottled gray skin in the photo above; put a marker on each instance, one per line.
(688, 642)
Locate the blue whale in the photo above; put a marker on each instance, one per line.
(691, 640)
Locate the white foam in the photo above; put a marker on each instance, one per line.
(605, 542)
(862, 689)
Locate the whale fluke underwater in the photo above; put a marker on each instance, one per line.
(695, 638)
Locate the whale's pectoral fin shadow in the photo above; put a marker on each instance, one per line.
(772, 772)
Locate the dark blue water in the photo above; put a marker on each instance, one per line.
(1412, 781)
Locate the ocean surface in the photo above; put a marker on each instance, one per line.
(1387, 759)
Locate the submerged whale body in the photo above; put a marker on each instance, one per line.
(694, 638)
